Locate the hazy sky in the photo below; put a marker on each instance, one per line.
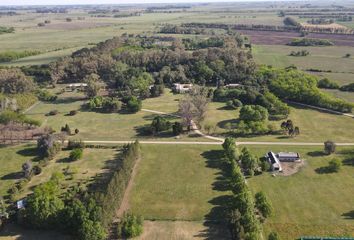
(63, 2)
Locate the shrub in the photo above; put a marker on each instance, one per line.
(53, 113)
(310, 42)
(77, 131)
(334, 165)
(37, 170)
(46, 96)
(131, 226)
(76, 154)
(348, 88)
(66, 129)
(73, 112)
(273, 236)
(72, 144)
(41, 24)
(326, 83)
(159, 124)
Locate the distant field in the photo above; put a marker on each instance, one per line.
(314, 126)
(308, 203)
(322, 58)
(348, 96)
(340, 78)
(177, 182)
(43, 58)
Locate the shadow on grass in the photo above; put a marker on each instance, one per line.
(28, 152)
(316, 154)
(12, 176)
(227, 124)
(348, 215)
(215, 220)
(64, 160)
(324, 170)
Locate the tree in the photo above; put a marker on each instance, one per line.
(27, 169)
(94, 85)
(131, 226)
(47, 146)
(193, 106)
(159, 124)
(66, 129)
(91, 230)
(334, 165)
(329, 147)
(134, 104)
(141, 84)
(253, 113)
(13, 81)
(44, 205)
(237, 230)
(263, 205)
(229, 146)
(249, 162)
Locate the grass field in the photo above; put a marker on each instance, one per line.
(105, 126)
(93, 162)
(315, 126)
(176, 182)
(309, 203)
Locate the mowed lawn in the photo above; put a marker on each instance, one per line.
(108, 126)
(308, 203)
(315, 126)
(176, 182)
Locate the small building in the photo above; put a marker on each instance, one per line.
(274, 162)
(76, 86)
(233, 85)
(182, 88)
(288, 156)
(21, 204)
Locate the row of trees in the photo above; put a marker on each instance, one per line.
(245, 211)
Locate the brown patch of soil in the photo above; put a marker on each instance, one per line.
(290, 168)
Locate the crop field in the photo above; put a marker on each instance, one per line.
(161, 191)
(308, 203)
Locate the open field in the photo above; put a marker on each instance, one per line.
(315, 126)
(180, 230)
(348, 96)
(177, 183)
(340, 78)
(309, 203)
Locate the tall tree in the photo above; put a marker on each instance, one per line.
(94, 85)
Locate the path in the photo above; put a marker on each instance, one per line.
(216, 143)
(31, 107)
(322, 109)
(124, 206)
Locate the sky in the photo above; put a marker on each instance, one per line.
(66, 2)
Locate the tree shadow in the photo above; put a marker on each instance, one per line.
(68, 100)
(316, 154)
(348, 215)
(64, 160)
(28, 152)
(348, 161)
(324, 170)
(215, 220)
(230, 122)
(12, 176)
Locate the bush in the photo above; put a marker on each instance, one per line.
(72, 144)
(41, 24)
(347, 88)
(76, 154)
(73, 112)
(310, 42)
(37, 170)
(131, 226)
(77, 131)
(273, 236)
(66, 129)
(46, 96)
(326, 83)
(334, 165)
(159, 124)
(53, 113)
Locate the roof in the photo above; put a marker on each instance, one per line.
(288, 155)
(78, 85)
